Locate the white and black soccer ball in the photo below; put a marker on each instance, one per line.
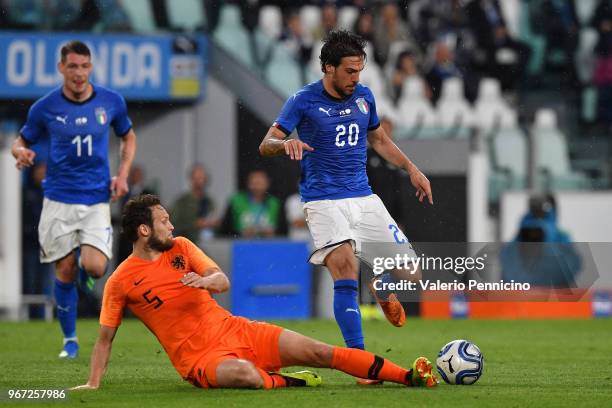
(460, 362)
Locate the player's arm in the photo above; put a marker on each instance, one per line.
(275, 143)
(22, 153)
(383, 145)
(127, 151)
(213, 280)
(206, 273)
(99, 358)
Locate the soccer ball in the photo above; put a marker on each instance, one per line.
(460, 362)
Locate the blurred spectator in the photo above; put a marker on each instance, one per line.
(602, 78)
(443, 67)
(86, 15)
(136, 186)
(21, 14)
(193, 210)
(253, 213)
(390, 31)
(405, 67)
(389, 182)
(114, 16)
(557, 21)
(364, 26)
(541, 254)
(504, 57)
(37, 277)
(436, 18)
(294, 38)
(294, 209)
(329, 21)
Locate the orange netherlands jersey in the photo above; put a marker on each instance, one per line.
(185, 320)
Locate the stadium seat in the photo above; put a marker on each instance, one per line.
(585, 55)
(385, 109)
(271, 21)
(232, 36)
(490, 107)
(283, 72)
(310, 16)
(552, 157)
(189, 16)
(585, 10)
(416, 116)
(141, 15)
(511, 10)
(536, 42)
(453, 112)
(508, 157)
(347, 17)
(315, 63)
(372, 77)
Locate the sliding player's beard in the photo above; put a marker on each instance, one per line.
(160, 245)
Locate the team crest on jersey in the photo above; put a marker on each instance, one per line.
(362, 105)
(178, 262)
(101, 116)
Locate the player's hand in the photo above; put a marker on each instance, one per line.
(83, 387)
(193, 280)
(294, 148)
(119, 187)
(25, 158)
(421, 183)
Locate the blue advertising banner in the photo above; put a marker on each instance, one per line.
(157, 67)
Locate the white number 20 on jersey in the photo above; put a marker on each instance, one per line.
(353, 134)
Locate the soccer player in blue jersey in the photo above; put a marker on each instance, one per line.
(77, 117)
(332, 116)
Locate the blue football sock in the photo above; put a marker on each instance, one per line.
(346, 311)
(67, 298)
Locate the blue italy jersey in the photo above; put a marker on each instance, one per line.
(337, 130)
(77, 170)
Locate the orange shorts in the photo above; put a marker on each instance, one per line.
(241, 338)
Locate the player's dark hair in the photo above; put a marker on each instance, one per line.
(137, 211)
(339, 44)
(75, 47)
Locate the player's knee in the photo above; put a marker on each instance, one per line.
(65, 269)
(246, 376)
(346, 267)
(95, 269)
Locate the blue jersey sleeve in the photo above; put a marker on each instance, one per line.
(374, 122)
(291, 114)
(34, 128)
(121, 123)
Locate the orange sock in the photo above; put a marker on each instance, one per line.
(272, 380)
(363, 364)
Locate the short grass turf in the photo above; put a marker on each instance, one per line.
(527, 363)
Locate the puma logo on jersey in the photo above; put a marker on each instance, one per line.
(61, 119)
(325, 111)
(348, 309)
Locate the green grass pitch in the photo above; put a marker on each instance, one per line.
(543, 363)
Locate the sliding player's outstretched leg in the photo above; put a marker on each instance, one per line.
(296, 349)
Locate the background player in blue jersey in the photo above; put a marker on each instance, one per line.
(76, 118)
(332, 116)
